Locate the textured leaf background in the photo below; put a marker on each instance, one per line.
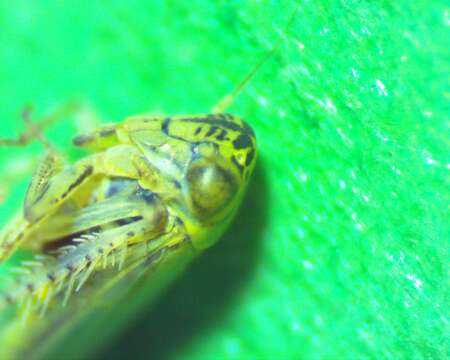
(341, 248)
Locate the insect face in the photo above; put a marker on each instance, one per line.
(210, 158)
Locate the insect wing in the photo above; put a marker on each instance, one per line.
(111, 300)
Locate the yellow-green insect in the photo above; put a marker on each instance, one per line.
(153, 186)
(154, 193)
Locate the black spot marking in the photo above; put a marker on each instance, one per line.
(107, 132)
(250, 156)
(82, 139)
(239, 166)
(217, 120)
(147, 195)
(212, 130)
(100, 250)
(56, 244)
(130, 233)
(222, 135)
(177, 184)
(88, 258)
(165, 125)
(242, 141)
(87, 172)
(129, 220)
(198, 130)
(51, 277)
(95, 229)
(222, 121)
(70, 267)
(249, 131)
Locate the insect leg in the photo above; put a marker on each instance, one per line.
(52, 186)
(67, 222)
(34, 130)
(92, 252)
(119, 161)
(99, 139)
(146, 256)
(12, 235)
(17, 230)
(145, 125)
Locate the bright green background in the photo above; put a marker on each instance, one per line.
(341, 249)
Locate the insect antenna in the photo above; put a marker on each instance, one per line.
(228, 99)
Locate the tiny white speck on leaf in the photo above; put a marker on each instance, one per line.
(303, 177)
(300, 232)
(295, 326)
(262, 101)
(381, 88)
(329, 106)
(355, 73)
(397, 171)
(415, 280)
(447, 18)
(300, 45)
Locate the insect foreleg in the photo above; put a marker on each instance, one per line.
(34, 130)
(12, 235)
(147, 255)
(48, 167)
(18, 229)
(99, 139)
(73, 220)
(120, 161)
(92, 252)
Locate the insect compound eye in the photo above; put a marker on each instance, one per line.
(211, 189)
